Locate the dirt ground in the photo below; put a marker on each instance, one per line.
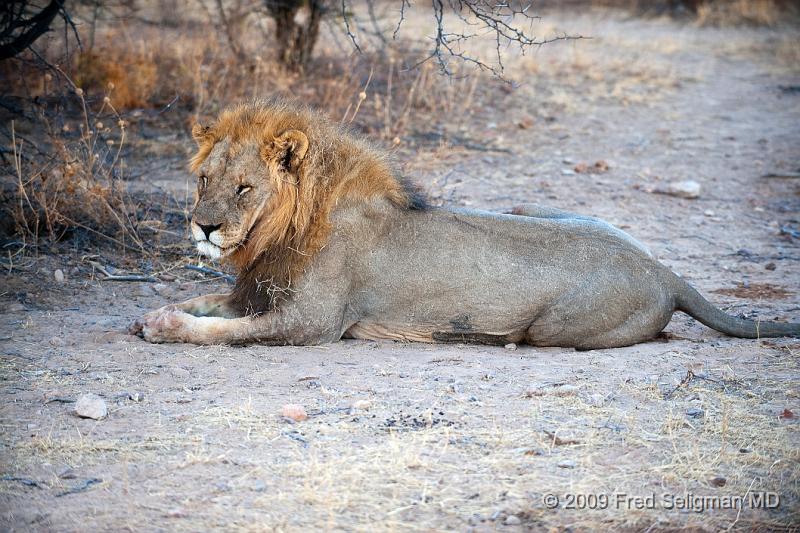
(458, 437)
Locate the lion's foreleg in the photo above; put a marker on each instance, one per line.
(214, 305)
(288, 326)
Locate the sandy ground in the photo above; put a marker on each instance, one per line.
(458, 437)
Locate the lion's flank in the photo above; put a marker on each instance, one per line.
(295, 224)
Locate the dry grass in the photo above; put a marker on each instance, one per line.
(744, 12)
(79, 184)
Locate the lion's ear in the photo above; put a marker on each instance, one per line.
(288, 149)
(201, 134)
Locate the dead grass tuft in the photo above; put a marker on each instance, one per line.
(743, 12)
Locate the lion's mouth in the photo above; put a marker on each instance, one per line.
(209, 249)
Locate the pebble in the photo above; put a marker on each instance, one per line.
(770, 266)
(512, 520)
(695, 412)
(91, 406)
(511, 346)
(718, 481)
(180, 373)
(15, 307)
(682, 189)
(136, 396)
(567, 463)
(294, 411)
(362, 404)
(59, 275)
(565, 390)
(58, 342)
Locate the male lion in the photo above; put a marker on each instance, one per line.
(329, 242)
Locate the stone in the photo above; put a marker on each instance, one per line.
(567, 463)
(362, 404)
(59, 275)
(91, 406)
(682, 189)
(294, 411)
(695, 412)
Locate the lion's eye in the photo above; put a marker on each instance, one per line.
(241, 190)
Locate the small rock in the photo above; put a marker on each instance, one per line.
(770, 266)
(682, 189)
(160, 288)
(567, 463)
(511, 346)
(362, 404)
(15, 307)
(58, 342)
(294, 412)
(525, 123)
(180, 373)
(567, 172)
(91, 406)
(695, 412)
(565, 390)
(59, 275)
(718, 481)
(596, 400)
(512, 520)
(136, 396)
(259, 486)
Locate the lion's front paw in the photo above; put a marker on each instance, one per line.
(167, 324)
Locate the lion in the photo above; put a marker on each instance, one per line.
(330, 242)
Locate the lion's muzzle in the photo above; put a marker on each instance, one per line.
(208, 238)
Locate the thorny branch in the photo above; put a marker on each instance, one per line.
(499, 20)
(507, 24)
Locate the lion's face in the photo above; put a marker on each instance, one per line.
(234, 186)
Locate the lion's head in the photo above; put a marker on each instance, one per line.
(268, 175)
(236, 181)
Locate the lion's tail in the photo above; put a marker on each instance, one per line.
(691, 302)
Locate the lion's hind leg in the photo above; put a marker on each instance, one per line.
(610, 310)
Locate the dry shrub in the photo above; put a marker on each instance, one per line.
(80, 184)
(738, 12)
(131, 75)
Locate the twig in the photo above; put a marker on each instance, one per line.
(115, 277)
(145, 279)
(211, 272)
(347, 26)
(23, 480)
(80, 488)
(782, 175)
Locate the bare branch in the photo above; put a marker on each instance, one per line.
(347, 26)
(32, 28)
(487, 18)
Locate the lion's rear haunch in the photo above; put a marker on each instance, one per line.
(691, 302)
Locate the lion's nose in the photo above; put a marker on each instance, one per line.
(208, 229)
